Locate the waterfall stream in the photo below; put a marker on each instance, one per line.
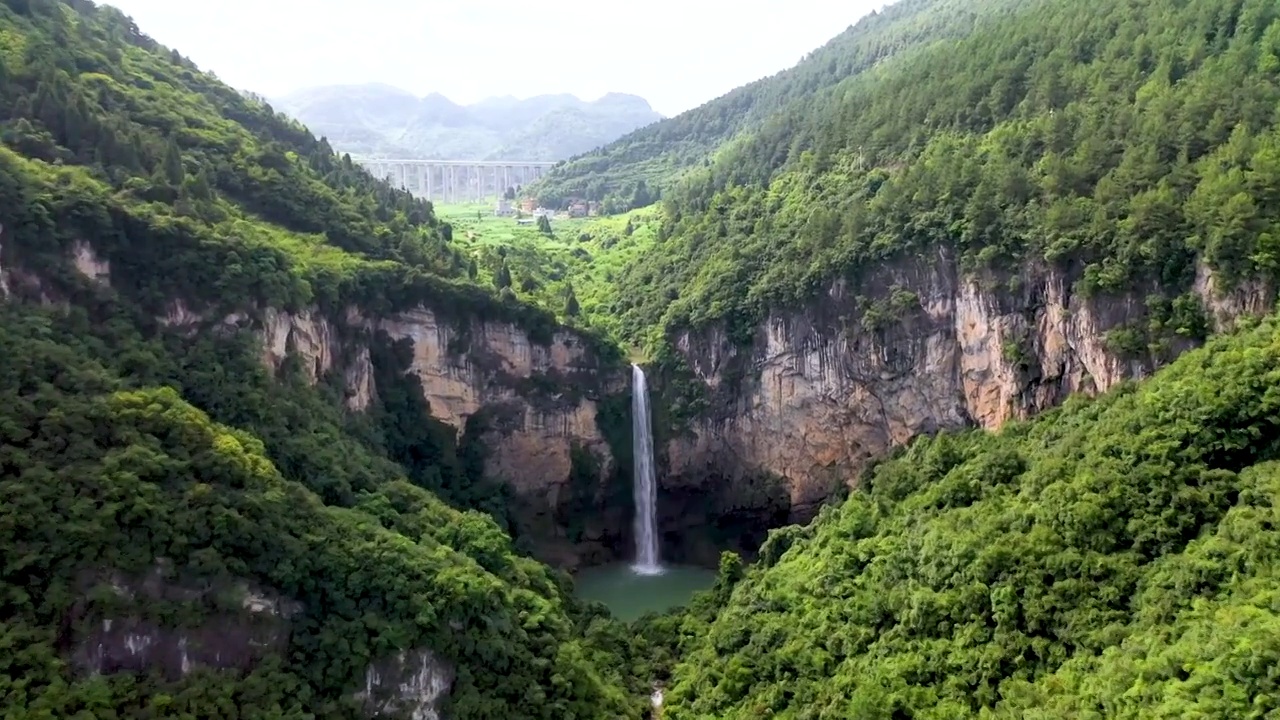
(646, 486)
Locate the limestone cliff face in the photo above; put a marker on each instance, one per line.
(307, 334)
(1253, 297)
(132, 642)
(408, 684)
(539, 400)
(822, 391)
(411, 684)
(468, 367)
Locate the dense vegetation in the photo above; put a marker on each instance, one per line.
(128, 445)
(134, 474)
(1114, 558)
(572, 271)
(638, 167)
(1116, 143)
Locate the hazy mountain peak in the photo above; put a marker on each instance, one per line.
(380, 119)
(624, 99)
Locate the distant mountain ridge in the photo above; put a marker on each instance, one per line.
(381, 120)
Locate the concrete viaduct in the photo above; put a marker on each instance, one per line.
(453, 181)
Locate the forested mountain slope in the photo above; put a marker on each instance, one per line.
(1115, 558)
(656, 155)
(191, 524)
(1120, 142)
(1070, 195)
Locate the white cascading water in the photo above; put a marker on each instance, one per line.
(646, 487)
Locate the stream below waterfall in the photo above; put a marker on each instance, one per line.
(629, 594)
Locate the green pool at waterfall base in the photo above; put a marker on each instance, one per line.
(630, 595)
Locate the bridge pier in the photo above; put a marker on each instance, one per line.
(455, 180)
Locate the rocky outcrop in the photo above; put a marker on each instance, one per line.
(179, 315)
(88, 263)
(915, 349)
(470, 366)
(125, 641)
(1251, 297)
(306, 335)
(411, 684)
(465, 367)
(122, 639)
(358, 378)
(539, 400)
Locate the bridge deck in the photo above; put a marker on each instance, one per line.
(467, 163)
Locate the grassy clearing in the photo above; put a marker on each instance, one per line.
(582, 255)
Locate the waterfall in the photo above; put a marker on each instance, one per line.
(646, 487)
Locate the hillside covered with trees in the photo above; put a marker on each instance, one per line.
(1114, 557)
(128, 447)
(1121, 144)
(654, 157)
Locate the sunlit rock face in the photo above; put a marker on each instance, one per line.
(539, 399)
(822, 391)
(465, 368)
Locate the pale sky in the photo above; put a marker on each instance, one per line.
(677, 54)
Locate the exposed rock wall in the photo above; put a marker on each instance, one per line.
(412, 684)
(89, 264)
(358, 379)
(226, 639)
(465, 368)
(306, 334)
(819, 393)
(539, 399)
(1251, 297)
(409, 684)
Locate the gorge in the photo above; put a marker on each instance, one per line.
(935, 377)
